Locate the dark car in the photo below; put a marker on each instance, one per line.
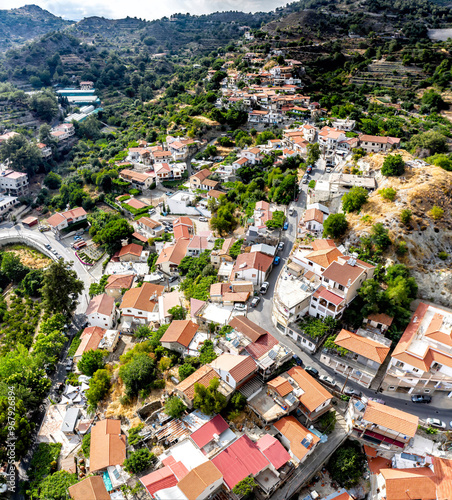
(309, 169)
(298, 361)
(312, 371)
(59, 387)
(421, 398)
(173, 278)
(348, 391)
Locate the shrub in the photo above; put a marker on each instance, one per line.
(174, 407)
(401, 248)
(245, 486)
(405, 216)
(436, 213)
(138, 461)
(134, 434)
(355, 199)
(346, 464)
(393, 166)
(335, 225)
(185, 371)
(91, 361)
(165, 364)
(86, 444)
(443, 255)
(387, 193)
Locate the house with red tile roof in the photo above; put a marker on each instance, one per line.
(91, 488)
(171, 256)
(150, 227)
(364, 353)
(108, 445)
(133, 253)
(141, 305)
(197, 179)
(117, 283)
(253, 266)
(379, 321)
(101, 311)
(422, 360)
(62, 220)
(241, 459)
(179, 335)
(381, 424)
(201, 482)
(298, 440)
(234, 370)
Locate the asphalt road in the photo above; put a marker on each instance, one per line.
(262, 315)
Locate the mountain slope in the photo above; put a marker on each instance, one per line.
(28, 22)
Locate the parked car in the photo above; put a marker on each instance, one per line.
(328, 170)
(203, 219)
(264, 287)
(281, 246)
(152, 211)
(255, 301)
(348, 391)
(169, 193)
(59, 387)
(239, 306)
(436, 422)
(298, 361)
(277, 261)
(421, 398)
(296, 198)
(286, 226)
(305, 179)
(173, 278)
(68, 365)
(291, 211)
(312, 371)
(328, 381)
(309, 169)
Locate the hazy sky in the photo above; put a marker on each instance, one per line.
(146, 9)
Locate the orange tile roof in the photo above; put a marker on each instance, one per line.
(202, 174)
(443, 472)
(143, 298)
(391, 418)
(343, 273)
(247, 327)
(108, 445)
(55, 220)
(438, 332)
(91, 488)
(239, 367)
(363, 346)
(253, 260)
(180, 331)
(174, 253)
(201, 376)
(131, 249)
(119, 281)
(101, 304)
(134, 203)
(382, 318)
(314, 393)
(406, 484)
(369, 451)
(90, 339)
(281, 385)
(148, 222)
(323, 244)
(291, 428)
(199, 479)
(324, 257)
(313, 214)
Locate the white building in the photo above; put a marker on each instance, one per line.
(12, 182)
(101, 311)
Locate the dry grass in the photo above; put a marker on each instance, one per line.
(29, 256)
(207, 121)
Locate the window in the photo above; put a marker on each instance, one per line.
(304, 341)
(426, 391)
(399, 364)
(315, 299)
(341, 287)
(415, 370)
(326, 280)
(227, 378)
(391, 388)
(310, 263)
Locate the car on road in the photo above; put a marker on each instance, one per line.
(277, 261)
(152, 211)
(421, 398)
(296, 198)
(168, 229)
(173, 278)
(286, 226)
(280, 246)
(328, 170)
(240, 307)
(169, 193)
(68, 364)
(312, 371)
(348, 391)
(436, 423)
(291, 211)
(264, 287)
(305, 179)
(48, 247)
(309, 169)
(255, 301)
(203, 219)
(298, 360)
(328, 381)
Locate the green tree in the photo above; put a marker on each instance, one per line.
(433, 101)
(264, 137)
(380, 236)
(86, 444)
(335, 226)
(313, 154)
(55, 486)
(47, 347)
(137, 374)
(346, 464)
(209, 399)
(207, 353)
(23, 156)
(44, 104)
(91, 361)
(174, 407)
(433, 141)
(245, 486)
(21, 424)
(277, 220)
(52, 180)
(393, 165)
(13, 268)
(236, 249)
(143, 332)
(185, 371)
(387, 193)
(224, 221)
(441, 160)
(112, 234)
(354, 199)
(32, 282)
(60, 288)
(138, 461)
(178, 312)
(99, 386)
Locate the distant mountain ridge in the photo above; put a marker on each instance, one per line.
(26, 23)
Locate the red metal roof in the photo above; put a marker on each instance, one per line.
(167, 477)
(205, 434)
(262, 345)
(273, 450)
(241, 459)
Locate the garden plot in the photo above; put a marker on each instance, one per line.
(91, 253)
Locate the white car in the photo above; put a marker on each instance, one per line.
(328, 170)
(240, 307)
(203, 219)
(264, 287)
(327, 380)
(281, 246)
(436, 422)
(291, 211)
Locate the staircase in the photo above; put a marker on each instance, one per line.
(251, 388)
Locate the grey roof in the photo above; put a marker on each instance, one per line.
(70, 420)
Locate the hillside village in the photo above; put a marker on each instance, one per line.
(234, 284)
